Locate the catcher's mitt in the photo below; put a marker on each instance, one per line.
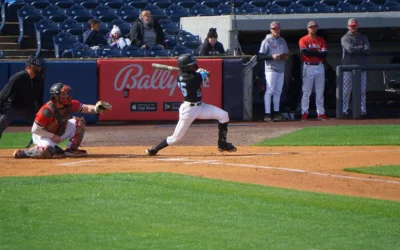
(102, 106)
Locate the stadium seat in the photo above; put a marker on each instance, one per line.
(180, 49)
(159, 52)
(12, 9)
(260, 3)
(378, 2)
(354, 2)
(156, 11)
(346, 7)
(185, 36)
(105, 28)
(297, 8)
(39, 4)
(192, 44)
(170, 28)
(201, 10)
(79, 13)
(170, 41)
(90, 4)
(307, 3)
(322, 8)
(113, 4)
(73, 27)
(237, 3)
(3, 15)
(223, 9)
(162, 3)
(45, 30)
(391, 6)
(283, 3)
(274, 9)
(63, 4)
(1, 53)
(128, 13)
(27, 16)
(64, 41)
(134, 51)
(109, 53)
(211, 3)
(333, 3)
(82, 52)
(369, 7)
(54, 13)
(104, 13)
(138, 4)
(250, 9)
(177, 10)
(187, 3)
(125, 27)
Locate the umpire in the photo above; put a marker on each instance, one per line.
(23, 94)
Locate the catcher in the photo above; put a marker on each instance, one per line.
(53, 124)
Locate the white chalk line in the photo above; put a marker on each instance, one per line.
(75, 163)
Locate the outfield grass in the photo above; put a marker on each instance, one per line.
(18, 140)
(167, 211)
(364, 135)
(393, 171)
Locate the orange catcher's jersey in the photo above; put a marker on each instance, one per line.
(55, 120)
(312, 44)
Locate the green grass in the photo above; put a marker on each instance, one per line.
(393, 171)
(18, 140)
(373, 135)
(167, 211)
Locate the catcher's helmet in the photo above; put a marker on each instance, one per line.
(34, 61)
(63, 91)
(185, 60)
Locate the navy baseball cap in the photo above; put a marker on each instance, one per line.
(34, 61)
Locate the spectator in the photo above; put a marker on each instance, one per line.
(92, 37)
(274, 51)
(210, 46)
(116, 39)
(313, 53)
(356, 48)
(145, 32)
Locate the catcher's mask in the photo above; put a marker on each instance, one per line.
(62, 93)
(185, 62)
(36, 64)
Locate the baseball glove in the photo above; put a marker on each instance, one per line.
(102, 106)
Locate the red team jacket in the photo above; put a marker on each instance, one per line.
(318, 43)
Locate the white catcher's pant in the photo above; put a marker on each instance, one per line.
(313, 75)
(187, 114)
(69, 132)
(347, 87)
(274, 88)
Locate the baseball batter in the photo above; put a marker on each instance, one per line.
(313, 52)
(274, 51)
(356, 48)
(189, 81)
(53, 124)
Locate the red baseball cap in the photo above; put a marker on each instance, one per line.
(352, 22)
(312, 24)
(275, 25)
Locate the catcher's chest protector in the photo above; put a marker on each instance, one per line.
(62, 116)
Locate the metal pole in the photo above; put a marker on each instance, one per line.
(339, 92)
(356, 94)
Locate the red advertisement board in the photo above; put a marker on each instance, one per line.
(137, 91)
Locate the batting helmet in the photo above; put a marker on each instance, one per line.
(62, 91)
(185, 60)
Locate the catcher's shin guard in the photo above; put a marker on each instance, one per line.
(75, 141)
(223, 145)
(35, 152)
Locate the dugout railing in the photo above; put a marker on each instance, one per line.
(379, 78)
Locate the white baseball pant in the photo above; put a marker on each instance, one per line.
(313, 75)
(347, 87)
(274, 88)
(69, 133)
(187, 114)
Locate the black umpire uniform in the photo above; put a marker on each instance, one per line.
(23, 94)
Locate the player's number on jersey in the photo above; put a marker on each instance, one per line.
(182, 86)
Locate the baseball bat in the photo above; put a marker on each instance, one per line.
(163, 66)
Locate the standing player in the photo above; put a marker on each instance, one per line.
(356, 48)
(313, 52)
(53, 124)
(189, 81)
(23, 94)
(274, 51)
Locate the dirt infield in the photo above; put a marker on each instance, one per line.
(320, 169)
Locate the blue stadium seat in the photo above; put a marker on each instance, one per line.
(1, 53)
(45, 30)
(125, 27)
(63, 4)
(307, 3)
(378, 2)
(187, 3)
(354, 2)
(138, 4)
(170, 41)
(109, 53)
(73, 27)
(113, 4)
(79, 13)
(155, 10)
(27, 16)
(11, 12)
(333, 3)
(162, 3)
(346, 7)
(322, 8)
(54, 13)
(185, 36)
(134, 51)
(170, 27)
(151, 8)
(39, 4)
(90, 4)
(211, 3)
(128, 13)
(82, 52)
(104, 13)
(191, 44)
(180, 49)
(274, 9)
(223, 9)
(3, 14)
(391, 6)
(250, 9)
(297, 8)
(283, 3)
(201, 10)
(237, 3)
(105, 28)
(260, 3)
(177, 17)
(369, 7)
(159, 52)
(64, 41)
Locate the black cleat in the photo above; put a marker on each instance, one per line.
(267, 118)
(227, 147)
(278, 117)
(150, 152)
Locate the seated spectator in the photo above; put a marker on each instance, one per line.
(116, 39)
(145, 32)
(92, 37)
(210, 46)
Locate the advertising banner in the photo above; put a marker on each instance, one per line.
(137, 91)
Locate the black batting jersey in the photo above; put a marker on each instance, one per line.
(190, 85)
